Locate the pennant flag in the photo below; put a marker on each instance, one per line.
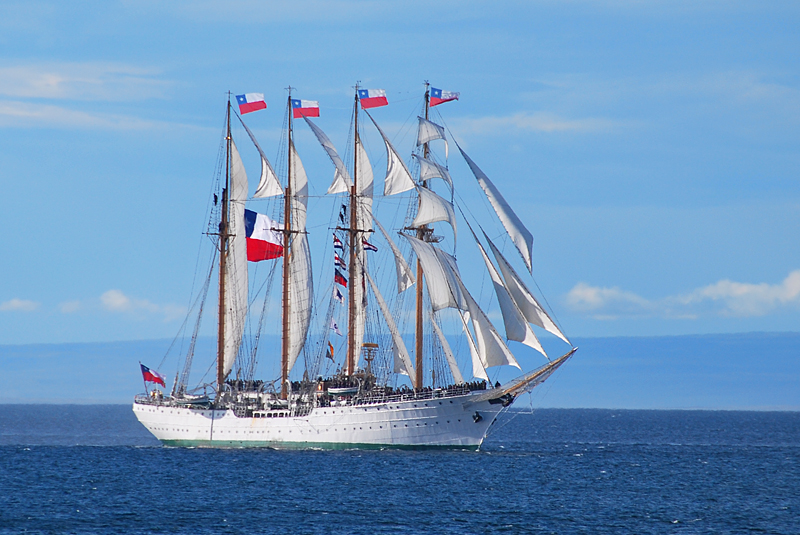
(338, 262)
(264, 237)
(329, 352)
(151, 376)
(337, 243)
(440, 97)
(368, 246)
(372, 98)
(338, 278)
(305, 108)
(335, 328)
(338, 295)
(250, 102)
(343, 213)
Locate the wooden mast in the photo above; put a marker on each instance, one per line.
(287, 234)
(223, 256)
(351, 290)
(422, 234)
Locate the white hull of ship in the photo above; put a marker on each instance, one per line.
(451, 422)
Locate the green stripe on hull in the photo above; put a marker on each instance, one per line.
(307, 445)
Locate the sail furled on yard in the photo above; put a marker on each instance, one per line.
(448, 353)
(398, 178)
(405, 277)
(433, 208)
(429, 131)
(341, 178)
(523, 297)
(520, 235)
(268, 184)
(301, 284)
(236, 273)
(402, 362)
(517, 327)
(441, 275)
(429, 169)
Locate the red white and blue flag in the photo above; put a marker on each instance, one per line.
(152, 377)
(338, 262)
(264, 237)
(337, 243)
(250, 102)
(368, 246)
(338, 278)
(440, 97)
(305, 108)
(372, 98)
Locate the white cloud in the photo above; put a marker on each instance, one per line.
(723, 298)
(22, 305)
(116, 301)
(81, 81)
(68, 307)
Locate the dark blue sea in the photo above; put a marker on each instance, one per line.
(94, 470)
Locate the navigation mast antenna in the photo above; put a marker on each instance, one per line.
(351, 290)
(287, 235)
(422, 234)
(223, 255)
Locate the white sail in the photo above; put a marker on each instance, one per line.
(429, 169)
(517, 328)
(399, 347)
(364, 222)
(477, 365)
(301, 284)
(433, 208)
(428, 131)
(441, 275)
(520, 235)
(398, 178)
(491, 348)
(405, 276)
(448, 353)
(341, 178)
(235, 302)
(523, 297)
(268, 184)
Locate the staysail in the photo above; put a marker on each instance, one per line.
(405, 277)
(520, 235)
(441, 275)
(341, 178)
(268, 184)
(448, 353)
(403, 362)
(433, 208)
(398, 178)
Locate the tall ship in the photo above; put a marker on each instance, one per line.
(364, 361)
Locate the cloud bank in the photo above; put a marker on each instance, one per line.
(722, 298)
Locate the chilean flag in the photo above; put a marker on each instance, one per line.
(151, 376)
(440, 97)
(250, 102)
(372, 98)
(305, 108)
(264, 237)
(338, 278)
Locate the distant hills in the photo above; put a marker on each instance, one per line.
(754, 371)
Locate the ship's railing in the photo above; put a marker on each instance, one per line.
(437, 393)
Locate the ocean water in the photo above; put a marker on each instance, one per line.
(95, 470)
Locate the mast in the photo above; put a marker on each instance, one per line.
(422, 233)
(223, 256)
(353, 231)
(287, 230)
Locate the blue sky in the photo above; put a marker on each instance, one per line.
(651, 147)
